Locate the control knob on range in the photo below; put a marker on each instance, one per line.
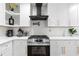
(39, 40)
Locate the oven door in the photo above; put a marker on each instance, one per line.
(38, 50)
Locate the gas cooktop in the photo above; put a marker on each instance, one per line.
(38, 36)
(38, 39)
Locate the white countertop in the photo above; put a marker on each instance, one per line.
(6, 39)
(63, 38)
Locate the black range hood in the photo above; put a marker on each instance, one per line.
(39, 16)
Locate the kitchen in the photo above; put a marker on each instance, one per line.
(39, 29)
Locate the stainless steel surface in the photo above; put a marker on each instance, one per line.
(38, 40)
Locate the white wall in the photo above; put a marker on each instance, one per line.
(2, 31)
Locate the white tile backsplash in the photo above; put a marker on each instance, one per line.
(2, 31)
(40, 31)
(54, 31)
(50, 31)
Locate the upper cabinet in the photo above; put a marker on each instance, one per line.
(74, 14)
(12, 14)
(2, 13)
(17, 14)
(58, 14)
(63, 14)
(52, 21)
(24, 14)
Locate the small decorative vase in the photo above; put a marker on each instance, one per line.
(11, 21)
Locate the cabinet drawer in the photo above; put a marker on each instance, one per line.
(56, 43)
(20, 42)
(53, 43)
(19, 48)
(63, 43)
(69, 43)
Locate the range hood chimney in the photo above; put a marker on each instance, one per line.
(38, 6)
(39, 16)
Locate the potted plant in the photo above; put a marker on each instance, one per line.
(72, 31)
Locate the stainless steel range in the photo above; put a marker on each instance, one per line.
(38, 45)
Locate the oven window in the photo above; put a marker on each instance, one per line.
(38, 50)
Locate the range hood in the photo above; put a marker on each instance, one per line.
(38, 16)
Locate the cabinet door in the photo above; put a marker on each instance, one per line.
(55, 49)
(2, 13)
(71, 51)
(24, 14)
(58, 15)
(78, 16)
(19, 48)
(60, 48)
(7, 49)
(63, 14)
(73, 14)
(52, 13)
(0, 50)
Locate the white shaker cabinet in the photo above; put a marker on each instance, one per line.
(19, 48)
(71, 51)
(58, 15)
(78, 15)
(6, 49)
(0, 50)
(63, 47)
(24, 14)
(63, 14)
(2, 13)
(55, 51)
(54, 48)
(73, 14)
(57, 48)
(52, 21)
